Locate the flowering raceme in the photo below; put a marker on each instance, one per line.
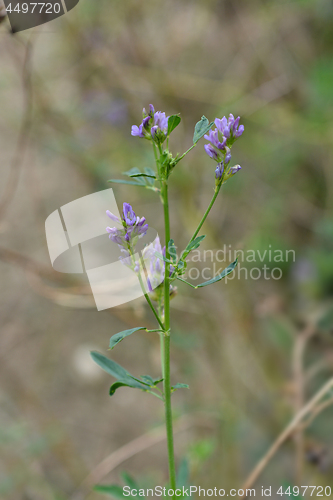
(153, 126)
(221, 140)
(133, 228)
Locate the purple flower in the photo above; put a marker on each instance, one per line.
(150, 288)
(129, 215)
(112, 216)
(161, 121)
(153, 131)
(239, 132)
(219, 170)
(133, 227)
(137, 131)
(154, 125)
(227, 155)
(235, 169)
(211, 151)
(115, 235)
(231, 171)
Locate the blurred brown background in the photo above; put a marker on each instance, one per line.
(252, 351)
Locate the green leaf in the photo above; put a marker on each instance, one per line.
(127, 382)
(133, 183)
(148, 379)
(151, 173)
(111, 367)
(179, 386)
(201, 128)
(132, 171)
(125, 379)
(173, 122)
(172, 250)
(113, 490)
(183, 473)
(129, 480)
(220, 276)
(118, 337)
(143, 175)
(144, 179)
(141, 381)
(160, 256)
(193, 245)
(137, 183)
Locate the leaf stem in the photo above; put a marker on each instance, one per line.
(184, 154)
(217, 190)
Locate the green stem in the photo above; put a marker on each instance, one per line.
(166, 368)
(184, 154)
(159, 310)
(217, 189)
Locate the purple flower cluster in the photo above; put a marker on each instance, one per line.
(221, 139)
(153, 126)
(132, 228)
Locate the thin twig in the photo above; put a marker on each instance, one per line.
(315, 412)
(301, 342)
(28, 264)
(23, 136)
(286, 434)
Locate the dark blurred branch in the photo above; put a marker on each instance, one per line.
(301, 342)
(23, 136)
(30, 265)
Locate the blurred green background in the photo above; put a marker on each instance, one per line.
(253, 351)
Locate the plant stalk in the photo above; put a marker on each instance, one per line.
(166, 367)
